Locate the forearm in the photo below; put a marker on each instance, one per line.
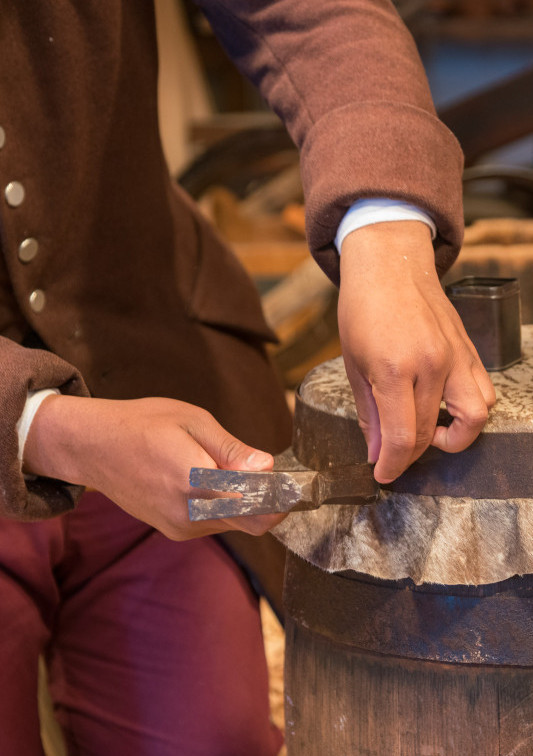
(348, 83)
(312, 58)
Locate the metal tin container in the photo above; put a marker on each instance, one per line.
(490, 311)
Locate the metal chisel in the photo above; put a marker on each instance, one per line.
(279, 490)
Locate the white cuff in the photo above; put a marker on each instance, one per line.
(366, 212)
(33, 402)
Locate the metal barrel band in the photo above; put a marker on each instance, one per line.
(443, 624)
(492, 468)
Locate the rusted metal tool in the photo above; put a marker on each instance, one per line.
(279, 490)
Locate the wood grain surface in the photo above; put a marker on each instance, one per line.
(341, 702)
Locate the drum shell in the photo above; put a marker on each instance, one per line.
(387, 668)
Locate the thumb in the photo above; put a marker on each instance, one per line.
(227, 451)
(234, 455)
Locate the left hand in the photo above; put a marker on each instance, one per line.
(138, 453)
(406, 349)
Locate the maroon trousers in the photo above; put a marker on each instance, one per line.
(154, 647)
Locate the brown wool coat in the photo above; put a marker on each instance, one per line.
(141, 296)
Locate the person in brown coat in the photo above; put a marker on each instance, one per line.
(109, 272)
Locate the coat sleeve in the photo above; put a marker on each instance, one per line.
(346, 79)
(23, 370)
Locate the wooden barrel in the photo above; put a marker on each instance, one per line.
(391, 651)
(388, 668)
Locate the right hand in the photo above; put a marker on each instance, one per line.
(405, 349)
(139, 454)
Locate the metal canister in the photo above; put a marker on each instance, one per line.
(490, 311)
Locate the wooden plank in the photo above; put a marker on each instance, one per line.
(499, 231)
(271, 257)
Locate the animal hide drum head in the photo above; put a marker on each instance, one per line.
(451, 519)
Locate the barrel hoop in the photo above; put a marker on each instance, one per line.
(495, 466)
(442, 624)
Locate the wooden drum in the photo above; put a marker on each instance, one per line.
(410, 622)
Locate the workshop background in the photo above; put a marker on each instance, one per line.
(233, 155)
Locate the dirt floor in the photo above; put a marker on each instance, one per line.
(275, 652)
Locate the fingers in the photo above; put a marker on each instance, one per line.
(367, 414)
(468, 399)
(255, 525)
(397, 413)
(485, 384)
(401, 415)
(231, 454)
(227, 451)
(479, 373)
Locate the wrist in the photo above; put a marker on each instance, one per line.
(52, 446)
(368, 212)
(34, 400)
(389, 249)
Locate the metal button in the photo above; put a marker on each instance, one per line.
(14, 193)
(28, 249)
(37, 300)
(2, 137)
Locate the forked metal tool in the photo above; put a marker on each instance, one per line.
(279, 490)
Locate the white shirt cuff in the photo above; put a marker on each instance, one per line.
(33, 402)
(366, 212)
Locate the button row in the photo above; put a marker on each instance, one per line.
(14, 194)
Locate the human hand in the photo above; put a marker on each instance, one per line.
(405, 349)
(139, 454)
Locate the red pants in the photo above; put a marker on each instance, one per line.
(154, 647)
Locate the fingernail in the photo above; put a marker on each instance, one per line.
(385, 479)
(258, 460)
